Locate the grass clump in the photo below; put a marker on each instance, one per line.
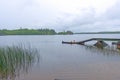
(15, 59)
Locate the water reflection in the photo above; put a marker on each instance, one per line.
(15, 60)
(107, 51)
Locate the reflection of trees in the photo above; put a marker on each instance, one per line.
(16, 59)
(110, 50)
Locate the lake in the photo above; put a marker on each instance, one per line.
(68, 62)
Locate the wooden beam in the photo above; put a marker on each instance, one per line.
(82, 42)
(105, 39)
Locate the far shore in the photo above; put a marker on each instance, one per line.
(56, 34)
(48, 32)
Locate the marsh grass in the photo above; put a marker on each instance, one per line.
(16, 59)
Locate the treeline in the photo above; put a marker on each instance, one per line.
(110, 32)
(32, 32)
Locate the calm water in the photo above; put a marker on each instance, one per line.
(69, 62)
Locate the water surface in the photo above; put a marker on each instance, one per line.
(69, 62)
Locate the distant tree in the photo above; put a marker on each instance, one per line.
(69, 32)
(66, 33)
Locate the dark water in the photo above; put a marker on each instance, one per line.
(69, 62)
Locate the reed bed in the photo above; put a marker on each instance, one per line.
(16, 59)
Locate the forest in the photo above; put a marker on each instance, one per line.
(33, 32)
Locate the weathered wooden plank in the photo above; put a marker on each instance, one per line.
(82, 42)
(105, 39)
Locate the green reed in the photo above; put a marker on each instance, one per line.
(16, 59)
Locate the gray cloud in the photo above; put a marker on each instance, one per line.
(71, 21)
(89, 21)
(25, 13)
(114, 11)
(30, 14)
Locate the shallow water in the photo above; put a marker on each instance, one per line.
(69, 62)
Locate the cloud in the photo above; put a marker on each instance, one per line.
(84, 17)
(75, 15)
(114, 11)
(25, 13)
(87, 20)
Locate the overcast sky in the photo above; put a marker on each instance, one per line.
(74, 15)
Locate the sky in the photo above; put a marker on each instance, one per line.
(61, 15)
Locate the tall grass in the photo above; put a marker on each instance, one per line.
(16, 59)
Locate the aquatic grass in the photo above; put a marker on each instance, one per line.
(16, 59)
